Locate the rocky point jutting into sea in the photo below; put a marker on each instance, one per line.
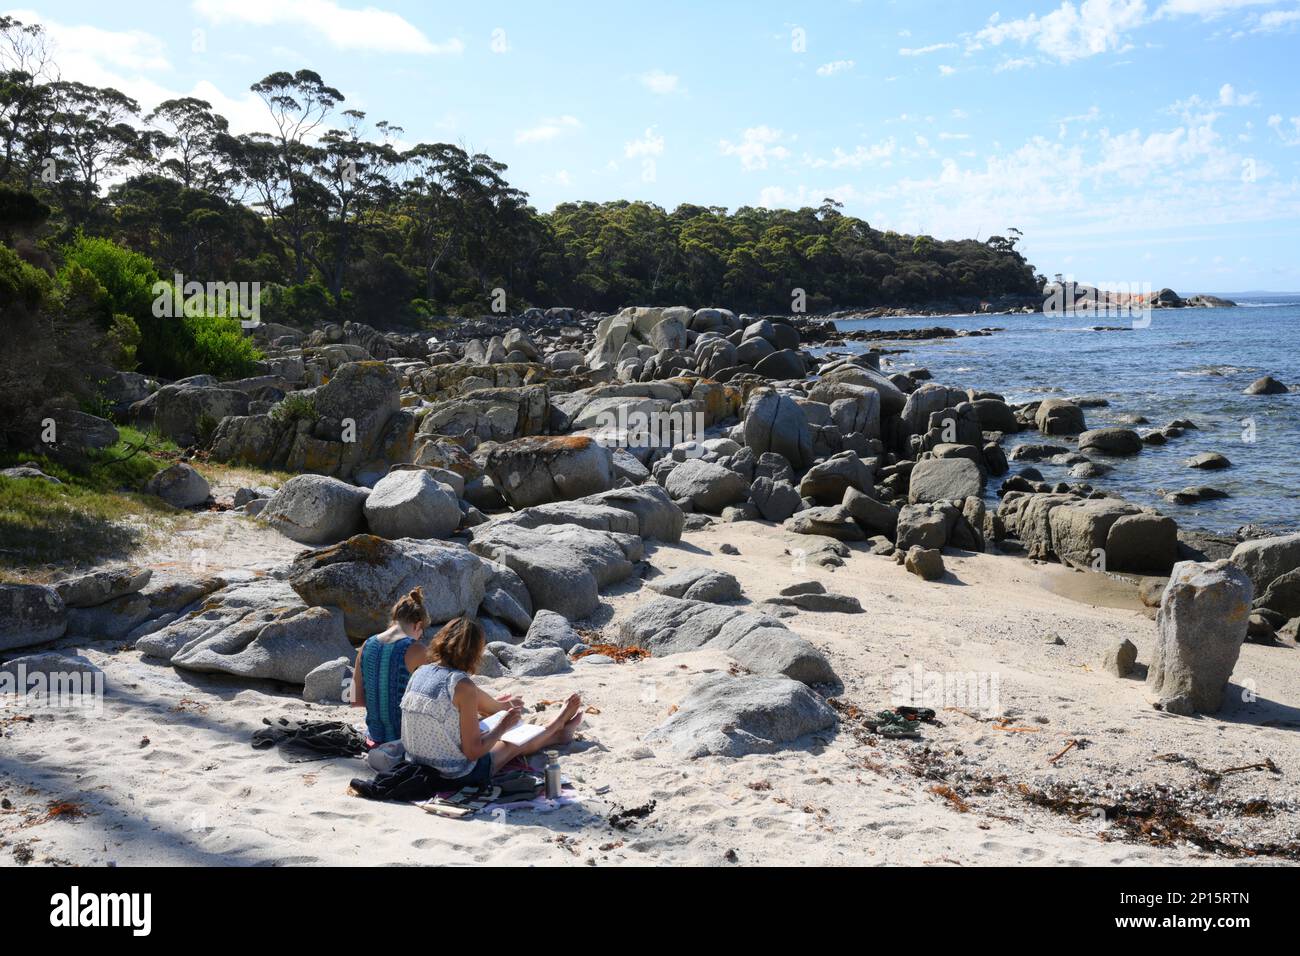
(761, 518)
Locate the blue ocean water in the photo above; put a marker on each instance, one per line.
(1188, 363)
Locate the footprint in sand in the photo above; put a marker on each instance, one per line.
(427, 843)
(332, 815)
(902, 832)
(168, 758)
(1023, 853)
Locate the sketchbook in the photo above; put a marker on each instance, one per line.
(518, 734)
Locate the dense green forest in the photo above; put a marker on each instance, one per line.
(101, 199)
(334, 221)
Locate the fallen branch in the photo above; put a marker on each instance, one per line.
(1268, 765)
(1068, 747)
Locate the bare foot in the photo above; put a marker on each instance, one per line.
(558, 730)
(571, 707)
(568, 731)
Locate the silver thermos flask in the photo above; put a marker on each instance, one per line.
(552, 775)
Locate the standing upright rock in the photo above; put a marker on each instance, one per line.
(774, 422)
(1201, 625)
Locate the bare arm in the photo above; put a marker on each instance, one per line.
(489, 705)
(358, 687)
(473, 742)
(417, 655)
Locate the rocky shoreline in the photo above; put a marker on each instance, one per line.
(555, 449)
(523, 477)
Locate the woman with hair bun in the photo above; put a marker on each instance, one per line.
(383, 668)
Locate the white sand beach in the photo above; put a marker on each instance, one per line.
(166, 774)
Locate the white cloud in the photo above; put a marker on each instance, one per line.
(1062, 191)
(95, 56)
(1015, 63)
(1093, 114)
(547, 130)
(923, 50)
(1074, 32)
(651, 144)
(778, 197)
(1276, 20)
(1228, 96)
(1289, 136)
(757, 146)
(120, 59)
(368, 29)
(1069, 32)
(657, 81)
(835, 66)
(946, 70)
(861, 156)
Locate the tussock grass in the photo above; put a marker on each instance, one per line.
(97, 513)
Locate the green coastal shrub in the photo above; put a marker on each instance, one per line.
(127, 277)
(23, 287)
(82, 293)
(218, 346)
(294, 407)
(171, 346)
(300, 305)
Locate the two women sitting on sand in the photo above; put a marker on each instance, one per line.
(423, 705)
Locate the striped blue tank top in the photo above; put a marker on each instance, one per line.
(384, 676)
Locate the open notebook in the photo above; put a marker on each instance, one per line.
(518, 734)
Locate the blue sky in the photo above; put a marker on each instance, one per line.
(1131, 140)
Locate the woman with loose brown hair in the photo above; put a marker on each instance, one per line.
(442, 707)
(383, 668)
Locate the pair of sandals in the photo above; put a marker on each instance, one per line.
(901, 723)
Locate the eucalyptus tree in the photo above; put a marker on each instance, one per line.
(94, 139)
(25, 69)
(278, 165)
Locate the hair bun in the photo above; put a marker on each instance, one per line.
(410, 609)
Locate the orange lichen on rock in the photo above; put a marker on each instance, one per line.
(620, 654)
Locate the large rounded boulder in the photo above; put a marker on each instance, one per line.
(1056, 416)
(30, 614)
(709, 487)
(530, 471)
(315, 509)
(1111, 441)
(412, 504)
(365, 576)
